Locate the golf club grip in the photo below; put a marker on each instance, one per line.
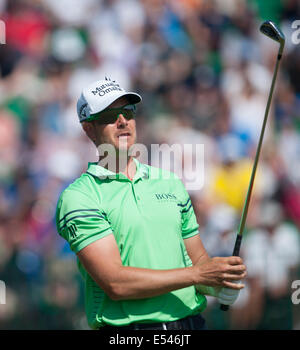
(237, 245)
(236, 252)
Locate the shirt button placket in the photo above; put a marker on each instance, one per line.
(136, 196)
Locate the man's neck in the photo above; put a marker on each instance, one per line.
(122, 164)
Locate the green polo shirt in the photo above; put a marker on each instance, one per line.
(149, 217)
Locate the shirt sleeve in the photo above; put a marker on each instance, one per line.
(189, 225)
(80, 220)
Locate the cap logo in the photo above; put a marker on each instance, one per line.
(106, 88)
(82, 110)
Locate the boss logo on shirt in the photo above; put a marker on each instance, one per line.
(165, 196)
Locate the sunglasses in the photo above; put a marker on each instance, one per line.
(111, 115)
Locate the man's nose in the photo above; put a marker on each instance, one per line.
(121, 121)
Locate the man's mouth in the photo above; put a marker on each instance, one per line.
(124, 134)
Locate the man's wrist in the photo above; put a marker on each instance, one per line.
(196, 274)
(200, 286)
(199, 279)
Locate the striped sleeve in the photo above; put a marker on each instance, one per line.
(189, 225)
(80, 220)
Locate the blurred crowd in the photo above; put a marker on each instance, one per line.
(204, 71)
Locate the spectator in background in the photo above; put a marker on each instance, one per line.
(221, 230)
(230, 180)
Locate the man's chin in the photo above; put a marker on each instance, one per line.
(123, 148)
(123, 145)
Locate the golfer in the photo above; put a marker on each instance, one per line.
(134, 231)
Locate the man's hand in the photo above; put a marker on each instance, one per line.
(221, 272)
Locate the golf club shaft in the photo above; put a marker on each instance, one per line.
(239, 237)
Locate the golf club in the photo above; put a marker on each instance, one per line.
(269, 29)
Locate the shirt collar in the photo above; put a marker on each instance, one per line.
(142, 172)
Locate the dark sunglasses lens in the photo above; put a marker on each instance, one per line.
(110, 116)
(128, 114)
(130, 108)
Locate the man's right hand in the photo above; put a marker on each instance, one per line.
(221, 272)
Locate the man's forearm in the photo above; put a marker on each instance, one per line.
(125, 282)
(139, 283)
(102, 261)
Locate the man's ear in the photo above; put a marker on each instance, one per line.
(90, 130)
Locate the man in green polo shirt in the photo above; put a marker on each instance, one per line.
(134, 231)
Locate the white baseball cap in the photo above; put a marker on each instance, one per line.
(99, 95)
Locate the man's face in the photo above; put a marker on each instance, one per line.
(121, 134)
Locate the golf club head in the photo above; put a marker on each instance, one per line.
(270, 29)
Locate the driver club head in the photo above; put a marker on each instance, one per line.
(270, 29)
